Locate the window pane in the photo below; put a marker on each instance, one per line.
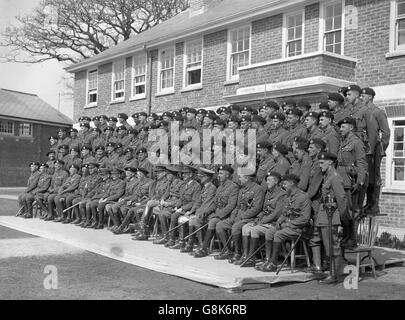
(140, 89)
(401, 7)
(291, 34)
(401, 32)
(399, 165)
(338, 9)
(298, 20)
(338, 48)
(194, 77)
(298, 32)
(399, 134)
(290, 22)
(328, 24)
(337, 22)
(25, 129)
(329, 11)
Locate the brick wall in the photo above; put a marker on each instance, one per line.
(18, 152)
(311, 28)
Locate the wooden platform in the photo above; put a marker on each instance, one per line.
(155, 257)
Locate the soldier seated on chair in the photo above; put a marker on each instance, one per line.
(31, 185)
(294, 218)
(271, 211)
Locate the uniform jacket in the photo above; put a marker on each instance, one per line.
(97, 141)
(302, 169)
(279, 135)
(145, 164)
(102, 162)
(112, 160)
(315, 179)
(352, 163)
(281, 165)
(295, 131)
(189, 194)
(250, 202)
(332, 185)
(115, 190)
(376, 120)
(263, 168)
(160, 189)
(297, 210)
(205, 205)
(88, 187)
(44, 182)
(314, 133)
(130, 186)
(82, 188)
(102, 189)
(32, 181)
(88, 159)
(58, 178)
(332, 139)
(273, 205)
(174, 193)
(72, 160)
(225, 199)
(74, 143)
(70, 184)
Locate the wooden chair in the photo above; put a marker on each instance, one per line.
(367, 233)
(294, 256)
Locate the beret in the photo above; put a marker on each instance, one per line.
(153, 115)
(259, 119)
(318, 142)
(178, 117)
(255, 112)
(192, 110)
(142, 150)
(185, 109)
(245, 118)
(87, 118)
(327, 156)
(234, 107)
(74, 166)
(264, 145)
(118, 145)
(128, 150)
(312, 115)
(274, 174)
(282, 148)
(60, 162)
(295, 112)
(123, 116)
(167, 114)
(135, 115)
(304, 104)
(226, 110)
(113, 119)
(300, 139)
(301, 145)
(164, 124)
(160, 118)
(368, 91)
(51, 151)
(53, 137)
(44, 165)
(326, 114)
(85, 125)
(334, 96)
(270, 104)
(219, 122)
(34, 164)
(96, 130)
(290, 102)
(347, 120)
(99, 148)
(207, 171)
(278, 116)
(109, 129)
(87, 147)
(74, 149)
(63, 146)
(211, 116)
(246, 108)
(132, 131)
(291, 177)
(121, 128)
(226, 168)
(143, 113)
(144, 129)
(203, 111)
(354, 87)
(111, 144)
(96, 118)
(324, 105)
(73, 130)
(132, 169)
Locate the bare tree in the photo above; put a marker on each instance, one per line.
(72, 30)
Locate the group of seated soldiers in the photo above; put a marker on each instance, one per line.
(303, 159)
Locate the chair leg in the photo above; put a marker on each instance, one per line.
(358, 264)
(155, 229)
(293, 257)
(306, 254)
(370, 256)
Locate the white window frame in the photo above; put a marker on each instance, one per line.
(113, 80)
(88, 103)
(133, 91)
(159, 87)
(8, 133)
(394, 29)
(185, 69)
(229, 76)
(285, 32)
(390, 184)
(322, 25)
(21, 129)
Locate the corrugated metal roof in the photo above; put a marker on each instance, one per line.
(185, 23)
(29, 106)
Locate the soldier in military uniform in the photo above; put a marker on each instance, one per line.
(85, 136)
(51, 161)
(249, 204)
(201, 208)
(277, 132)
(329, 134)
(67, 188)
(301, 167)
(112, 156)
(98, 139)
(73, 158)
(142, 117)
(87, 189)
(143, 161)
(62, 137)
(271, 211)
(352, 166)
(266, 161)
(115, 190)
(100, 158)
(90, 205)
(258, 123)
(74, 140)
(43, 186)
(336, 104)
(53, 144)
(294, 218)
(295, 127)
(43, 181)
(122, 119)
(109, 136)
(332, 189)
(378, 134)
(266, 111)
(58, 178)
(311, 123)
(280, 162)
(63, 153)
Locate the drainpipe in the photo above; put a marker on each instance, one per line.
(149, 82)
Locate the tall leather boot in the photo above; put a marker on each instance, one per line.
(316, 266)
(269, 248)
(237, 250)
(370, 199)
(272, 265)
(190, 243)
(245, 247)
(203, 252)
(352, 242)
(333, 276)
(375, 209)
(226, 253)
(252, 248)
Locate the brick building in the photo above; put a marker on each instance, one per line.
(26, 122)
(237, 51)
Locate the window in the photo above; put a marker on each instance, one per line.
(25, 130)
(166, 70)
(92, 84)
(333, 27)
(118, 80)
(395, 162)
(193, 63)
(6, 127)
(294, 28)
(400, 24)
(239, 50)
(139, 76)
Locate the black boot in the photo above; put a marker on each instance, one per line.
(316, 266)
(203, 252)
(245, 246)
(333, 275)
(226, 252)
(252, 259)
(272, 266)
(352, 242)
(237, 244)
(269, 248)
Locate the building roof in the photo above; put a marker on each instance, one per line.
(188, 23)
(29, 106)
